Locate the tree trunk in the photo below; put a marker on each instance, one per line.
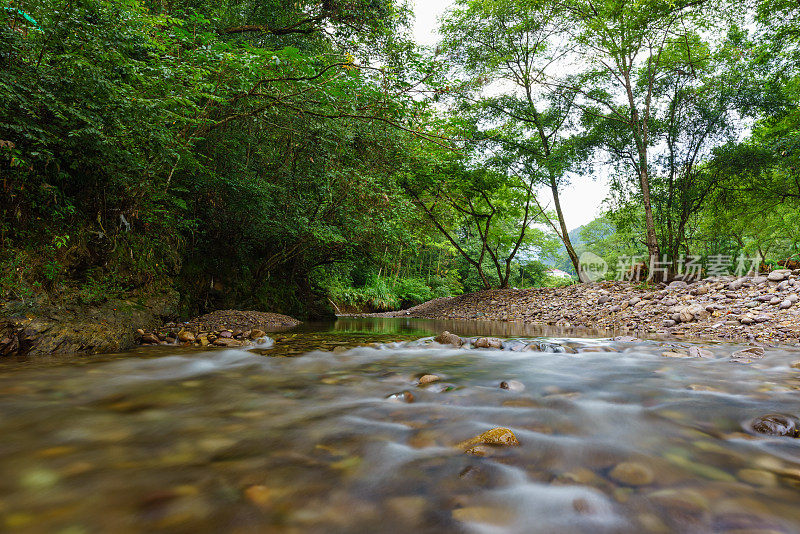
(652, 240)
(573, 256)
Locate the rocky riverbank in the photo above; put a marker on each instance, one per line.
(223, 328)
(40, 329)
(752, 308)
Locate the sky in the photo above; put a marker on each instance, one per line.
(582, 200)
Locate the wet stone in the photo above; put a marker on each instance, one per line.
(428, 379)
(775, 425)
(632, 474)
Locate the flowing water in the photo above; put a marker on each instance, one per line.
(311, 435)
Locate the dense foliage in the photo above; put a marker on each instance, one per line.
(307, 157)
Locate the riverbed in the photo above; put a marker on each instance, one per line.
(325, 429)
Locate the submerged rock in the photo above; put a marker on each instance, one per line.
(632, 474)
(776, 425)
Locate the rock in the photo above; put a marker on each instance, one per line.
(340, 349)
(737, 284)
(758, 280)
(677, 284)
(779, 275)
(203, 340)
(227, 334)
(446, 338)
(483, 514)
(669, 323)
(795, 364)
(785, 305)
(488, 343)
(748, 354)
(758, 477)
(604, 299)
(512, 385)
(185, 336)
(150, 338)
(674, 354)
(428, 379)
(403, 396)
(634, 301)
(775, 425)
(257, 334)
(140, 331)
(626, 339)
(697, 352)
(227, 342)
(496, 436)
(632, 474)
(259, 495)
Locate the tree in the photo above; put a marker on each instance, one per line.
(507, 48)
(629, 46)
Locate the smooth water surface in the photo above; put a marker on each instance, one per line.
(614, 437)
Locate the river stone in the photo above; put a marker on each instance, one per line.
(604, 299)
(632, 474)
(795, 364)
(697, 352)
(779, 275)
(758, 280)
(150, 338)
(186, 336)
(227, 334)
(495, 436)
(785, 305)
(403, 396)
(488, 343)
(512, 385)
(428, 379)
(257, 334)
(776, 425)
(748, 354)
(677, 284)
(446, 338)
(674, 354)
(758, 477)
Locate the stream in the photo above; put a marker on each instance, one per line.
(316, 434)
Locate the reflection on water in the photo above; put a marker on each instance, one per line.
(614, 437)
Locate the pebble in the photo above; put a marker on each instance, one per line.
(495, 436)
(632, 474)
(428, 379)
(512, 385)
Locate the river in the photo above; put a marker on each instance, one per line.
(315, 434)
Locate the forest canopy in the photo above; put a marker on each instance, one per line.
(310, 157)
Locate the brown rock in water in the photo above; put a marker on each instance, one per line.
(227, 342)
(150, 338)
(488, 343)
(428, 379)
(495, 436)
(776, 425)
(446, 338)
(512, 385)
(257, 334)
(185, 336)
(632, 474)
(226, 334)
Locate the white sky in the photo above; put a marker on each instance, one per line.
(582, 201)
